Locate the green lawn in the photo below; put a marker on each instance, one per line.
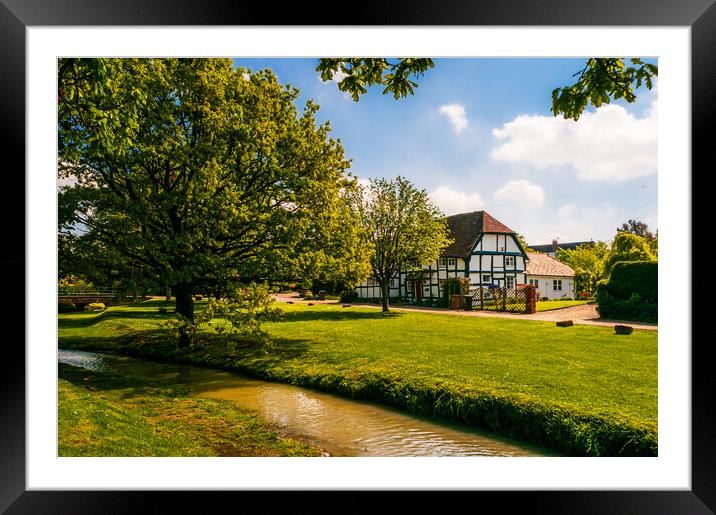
(582, 389)
(557, 304)
(102, 414)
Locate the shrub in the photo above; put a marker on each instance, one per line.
(635, 277)
(349, 296)
(199, 297)
(95, 306)
(633, 308)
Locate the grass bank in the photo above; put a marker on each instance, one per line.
(104, 414)
(582, 390)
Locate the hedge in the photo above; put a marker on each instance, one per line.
(631, 293)
(635, 277)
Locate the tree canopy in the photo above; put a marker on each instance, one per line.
(628, 247)
(360, 73)
(601, 80)
(637, 227)
(402, 226)
(187, 169)
(587, 261)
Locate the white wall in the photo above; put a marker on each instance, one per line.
(545, 286)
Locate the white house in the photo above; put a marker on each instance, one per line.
(552, 279)
(485, 250)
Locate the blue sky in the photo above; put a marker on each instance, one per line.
(478, 134)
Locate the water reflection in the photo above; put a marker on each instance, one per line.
(342, 427)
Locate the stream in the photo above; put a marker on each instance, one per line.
(340, 426)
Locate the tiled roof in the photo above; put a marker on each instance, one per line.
(465, 228)
(542, 264)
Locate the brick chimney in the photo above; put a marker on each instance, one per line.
(554, 245)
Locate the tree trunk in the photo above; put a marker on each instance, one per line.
(384, 292)
(167, 293)
(184, 307)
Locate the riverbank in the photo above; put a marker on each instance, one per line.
(581, 390)
(105, 414)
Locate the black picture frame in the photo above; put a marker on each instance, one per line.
(17, 15)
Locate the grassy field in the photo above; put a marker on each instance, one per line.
(582, 390)
(557, 304)
(101, 414)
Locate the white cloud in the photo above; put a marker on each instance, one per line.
(608, 145)
(521, 192)
(456, 114)
(452, 202)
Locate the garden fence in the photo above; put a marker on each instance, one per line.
(501, 299)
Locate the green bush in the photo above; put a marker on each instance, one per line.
(631, 292)
(633, 308)
(349, 296)
(635, 277)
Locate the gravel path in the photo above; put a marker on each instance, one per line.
(585, 314)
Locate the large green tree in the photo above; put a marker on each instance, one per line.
(402, 226)
(187, 169)
(601, 80)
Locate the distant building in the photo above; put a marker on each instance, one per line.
(552, 279)
(551, 249)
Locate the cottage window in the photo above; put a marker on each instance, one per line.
(410, 286)
(452, 261)
(534, 282)
(443, 262)
(510, 282)
(510, 261)
(394, 282)
(557, 285)
(486, 278)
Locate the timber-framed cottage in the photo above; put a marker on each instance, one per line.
(484, 249)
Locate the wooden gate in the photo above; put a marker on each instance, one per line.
(493, 298)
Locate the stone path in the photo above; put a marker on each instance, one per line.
(585, 314)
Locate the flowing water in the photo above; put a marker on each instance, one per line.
(342, 427)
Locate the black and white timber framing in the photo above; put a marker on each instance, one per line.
(485, 250)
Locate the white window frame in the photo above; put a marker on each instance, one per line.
(510, 282)
(451, 261)
(443, 262)
(509, 260)
(557, 284)
(486, 278)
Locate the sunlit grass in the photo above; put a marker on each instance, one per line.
(465, 368)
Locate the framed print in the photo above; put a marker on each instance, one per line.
(682, 474)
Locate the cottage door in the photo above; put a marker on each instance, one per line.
(418, 289)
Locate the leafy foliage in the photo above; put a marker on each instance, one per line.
(639, 278)
(188, 169)
(600, 80)
(361, 73)
(587, 261)
(627, 247)
(637, 227)
(402, 226)
(243, 312)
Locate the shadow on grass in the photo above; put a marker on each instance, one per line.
(209, 350)
(336, 316)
